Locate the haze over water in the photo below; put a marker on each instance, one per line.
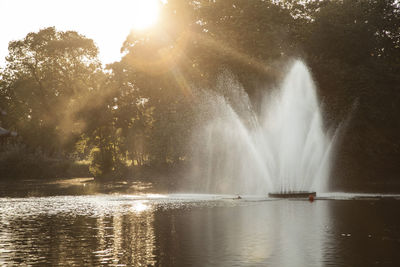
(282, 148)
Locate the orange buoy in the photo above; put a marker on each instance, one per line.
(311, 198)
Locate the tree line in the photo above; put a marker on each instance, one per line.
(140, 111)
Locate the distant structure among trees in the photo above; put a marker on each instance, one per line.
(4, 133)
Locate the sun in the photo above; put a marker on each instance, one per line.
(144, 13)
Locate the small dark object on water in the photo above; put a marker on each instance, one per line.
(293, 194)
(311, 198)
(238, 197)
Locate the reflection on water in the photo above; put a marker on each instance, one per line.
(277, 233)
(76, 231)
(126, 238)
(74, 186)
(194, 231)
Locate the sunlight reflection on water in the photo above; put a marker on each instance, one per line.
(196, 230)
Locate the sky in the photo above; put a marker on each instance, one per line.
(108, 23)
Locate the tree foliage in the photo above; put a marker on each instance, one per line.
(141, 110)
(46, 76)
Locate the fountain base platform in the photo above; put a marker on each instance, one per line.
(293, 194)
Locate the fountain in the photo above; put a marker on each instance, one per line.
(281, 150)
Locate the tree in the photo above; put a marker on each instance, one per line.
(353, 49)
(47, 76)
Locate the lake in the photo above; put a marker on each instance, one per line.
(199, 230)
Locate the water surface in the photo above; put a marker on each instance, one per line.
(198, 230)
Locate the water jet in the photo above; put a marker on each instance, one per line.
(281, 148)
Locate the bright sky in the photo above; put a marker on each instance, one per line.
(108, 23)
